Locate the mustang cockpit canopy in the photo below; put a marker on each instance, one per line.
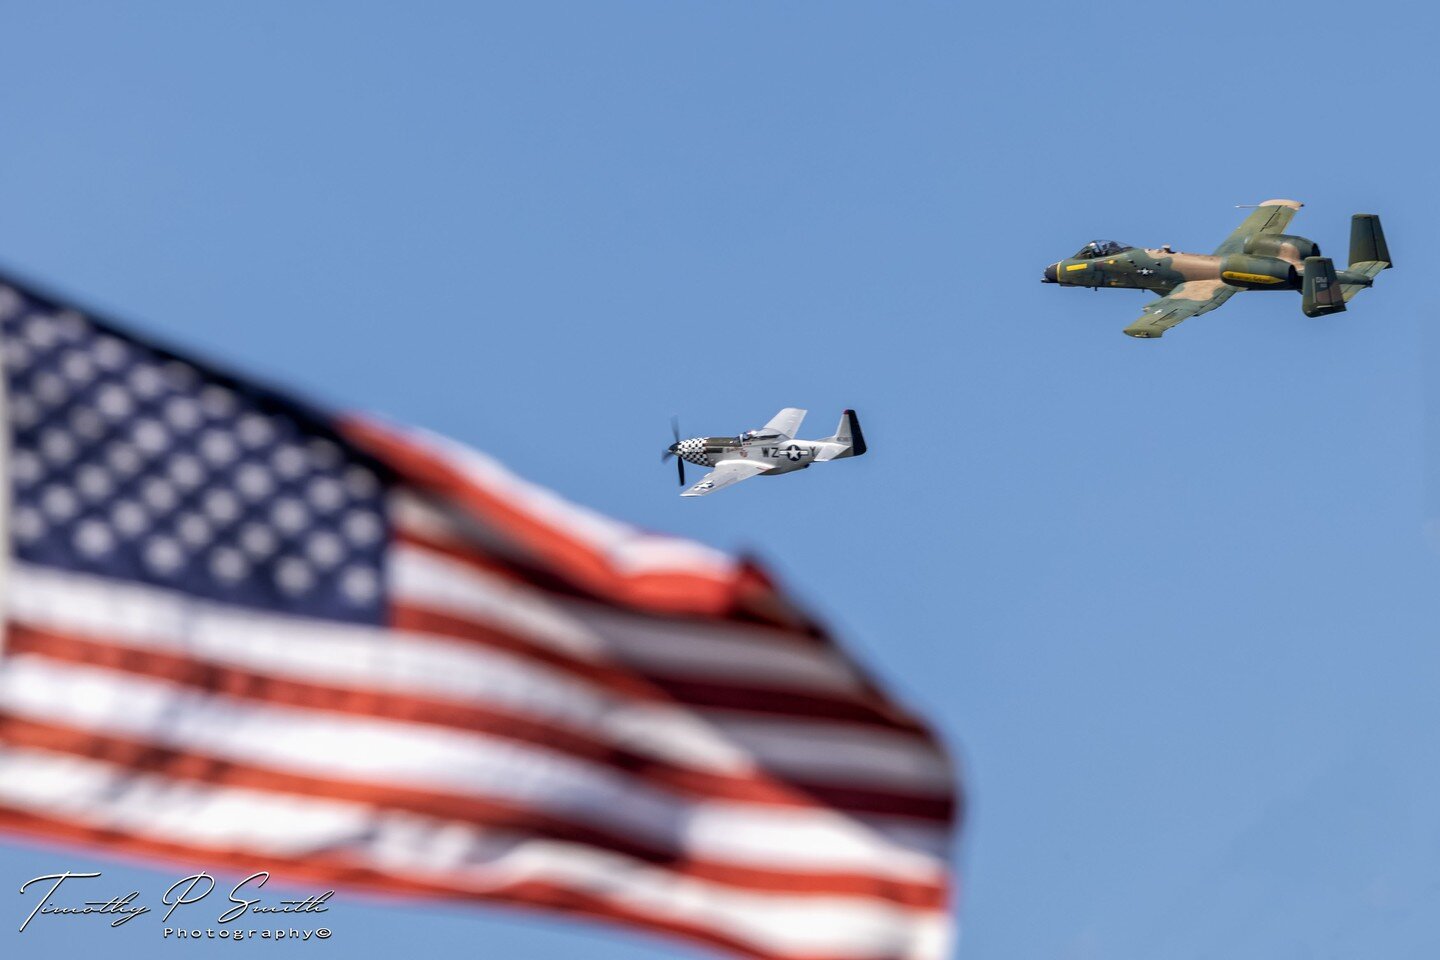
(753, 435)
(1100, 248)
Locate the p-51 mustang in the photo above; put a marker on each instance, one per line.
(769, 451)
(1259, 255)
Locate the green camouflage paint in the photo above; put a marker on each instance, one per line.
(1258, 255)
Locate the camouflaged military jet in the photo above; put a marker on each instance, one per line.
(1259, 255)
(769, 451)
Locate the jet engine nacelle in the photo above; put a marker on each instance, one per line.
(1282, 245)
(1258, 273)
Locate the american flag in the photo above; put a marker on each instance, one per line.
(244, 632)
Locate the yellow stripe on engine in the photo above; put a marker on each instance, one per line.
(1250, 277)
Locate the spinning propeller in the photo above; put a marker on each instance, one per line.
(673, 450)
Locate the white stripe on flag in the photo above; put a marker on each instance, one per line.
(457, 763)
(360, 657)
(457, 855)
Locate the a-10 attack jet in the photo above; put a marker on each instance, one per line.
(769, 451)
(1259, 255)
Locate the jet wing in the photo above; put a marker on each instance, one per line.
(1272, 216)
(727, 473)
(786, 422)
(1190, 299)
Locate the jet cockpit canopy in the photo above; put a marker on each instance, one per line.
(1100, 248)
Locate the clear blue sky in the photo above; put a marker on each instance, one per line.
(1172, 601)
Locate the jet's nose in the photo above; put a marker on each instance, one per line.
(1052, 273)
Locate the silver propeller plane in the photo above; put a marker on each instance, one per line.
(769, 451)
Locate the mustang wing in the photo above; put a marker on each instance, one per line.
(786, 422)
(727, 473)
(1190, 299)
(1272, 216)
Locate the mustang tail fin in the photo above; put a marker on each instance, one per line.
(1320, 290)
(849, 431)
(847, 442)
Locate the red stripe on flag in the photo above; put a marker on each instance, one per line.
(454, 544)
(777, 702)
(582, 562)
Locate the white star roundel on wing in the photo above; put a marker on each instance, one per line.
(727, 473)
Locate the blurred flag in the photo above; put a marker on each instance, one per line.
(243, 632)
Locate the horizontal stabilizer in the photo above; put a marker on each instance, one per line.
(1359, 277)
